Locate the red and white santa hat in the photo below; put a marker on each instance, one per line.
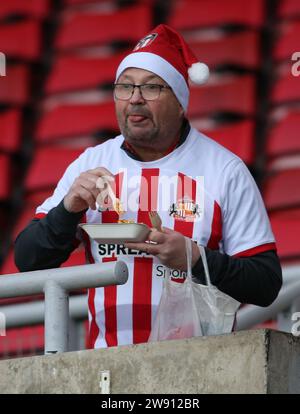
(165, 53)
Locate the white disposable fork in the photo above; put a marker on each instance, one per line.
(116, 202)
(155, 220)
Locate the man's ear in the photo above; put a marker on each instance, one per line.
(181, 110)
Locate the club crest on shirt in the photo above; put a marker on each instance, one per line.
(146, 41)
(185, 209)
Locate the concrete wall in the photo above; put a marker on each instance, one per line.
(258, 361)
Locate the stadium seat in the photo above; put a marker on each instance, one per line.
(287, 41)
(21, 40)
(10, 130)
(288, 9)
(28, 212)
(34, 199)
(286, 229)
(71, 3)
(237, 137)
(29, 204)
(240, 49)
(77, 258)
(76, 120)
(233, 94)
(75, 72)
(286, 88)
(194, 14)
(90, 29)
(79, 2)
(8, 267)
(88, 2)
(283, 138)
(22, 341)
(48, 166)
(5, 168)
(14, 87)
(34, 8)
(281, 189)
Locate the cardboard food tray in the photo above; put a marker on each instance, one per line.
(116, 233)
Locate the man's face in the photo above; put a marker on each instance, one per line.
(148, 124)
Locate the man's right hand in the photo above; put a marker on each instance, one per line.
(83, 193)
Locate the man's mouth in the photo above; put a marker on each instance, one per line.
(136, 118)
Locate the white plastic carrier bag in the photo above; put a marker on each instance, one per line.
(191, 309)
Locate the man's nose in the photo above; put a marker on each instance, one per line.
(136, 96)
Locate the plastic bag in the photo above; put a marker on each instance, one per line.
(190, 309)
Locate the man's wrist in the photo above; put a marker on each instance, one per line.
(62, 219)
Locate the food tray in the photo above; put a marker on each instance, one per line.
(117, 233)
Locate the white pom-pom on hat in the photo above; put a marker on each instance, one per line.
(198, 73)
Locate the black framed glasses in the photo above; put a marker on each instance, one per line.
(149, 91)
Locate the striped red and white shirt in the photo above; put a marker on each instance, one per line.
(200, 189)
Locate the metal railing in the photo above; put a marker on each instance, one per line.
(252, 315)
(24, 314)
(56, 285)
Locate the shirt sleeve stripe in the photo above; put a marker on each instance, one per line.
(256, 250)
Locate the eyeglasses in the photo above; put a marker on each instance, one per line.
(149, 91)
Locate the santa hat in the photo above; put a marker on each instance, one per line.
(165, 53)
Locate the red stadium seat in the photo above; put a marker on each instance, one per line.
(36, 198)
(289, 9)
(281, 189)
(193, 14)
(240, 49)
(286, 89)
(88, 2)
(76, 120)
(286, 228)
(22, 341)
(238, 138)
(10, 130)
(71, 73)
(29, 206)
(21, 40)
(234, 94)
(283, 138)
(90, 29)
(7, 268)
(33, 8)
(48, 166)
(30, 203)
(5, 175)
(77, 258)
(14, 87)
(287, 41)
(25, 217)
(81, 2)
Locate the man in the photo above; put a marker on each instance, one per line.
(201, 190)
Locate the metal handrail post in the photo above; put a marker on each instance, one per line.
(56, 284)
(56, 318)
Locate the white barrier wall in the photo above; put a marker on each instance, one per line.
(257, 361)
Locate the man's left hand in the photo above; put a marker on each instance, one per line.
(169, 246)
